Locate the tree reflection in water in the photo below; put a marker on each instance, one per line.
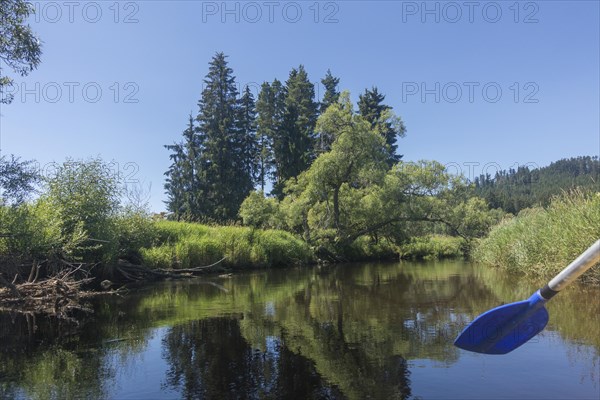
(211, 359)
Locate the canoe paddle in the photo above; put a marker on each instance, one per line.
(504, 328)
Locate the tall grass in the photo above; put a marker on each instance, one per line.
(541, 242)
(188, 245)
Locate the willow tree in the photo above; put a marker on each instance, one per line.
(20, 49)
(351, 191)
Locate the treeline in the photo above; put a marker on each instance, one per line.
(237, 143)
(515, 190)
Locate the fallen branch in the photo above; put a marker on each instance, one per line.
(191, 270)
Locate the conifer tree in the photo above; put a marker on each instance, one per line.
(294, 149)
(266, 128)
(247, 138)
(330, 97)
(227, 178)
(184, 177)
(371, 107)
(332, 93)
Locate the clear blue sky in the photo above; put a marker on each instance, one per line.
(543, 56)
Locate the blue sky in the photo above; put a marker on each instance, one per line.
(479, 85)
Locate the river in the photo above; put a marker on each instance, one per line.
(357, 331)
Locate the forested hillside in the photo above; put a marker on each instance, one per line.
(514, 190)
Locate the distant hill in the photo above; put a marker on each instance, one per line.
(514, 190)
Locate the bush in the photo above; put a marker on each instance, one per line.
(433, 247)
(135, 230)
(83, 197)
(365, 248)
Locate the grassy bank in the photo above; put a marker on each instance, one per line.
(541, 242)
(188, 245)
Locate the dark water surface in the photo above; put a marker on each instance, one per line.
(380, 331)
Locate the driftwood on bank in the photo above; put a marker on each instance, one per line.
(135, 273)
(65, 291)
(58, 295)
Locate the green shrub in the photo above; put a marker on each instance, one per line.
(135, 230)
(365, 248)
(433, 247)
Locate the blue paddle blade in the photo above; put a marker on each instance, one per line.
(504, 328)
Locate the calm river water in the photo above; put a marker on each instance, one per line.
(380, 331)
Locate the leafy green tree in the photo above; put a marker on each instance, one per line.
(262, 212)
(356, 149)
(20, 49)
(83, 197)
(350, 192)
(17, 180)
(391, 127)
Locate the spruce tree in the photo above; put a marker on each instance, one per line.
(331, 94)
(266, 128)
(294, 149)
(371, 107)
(330, 97)
(184, 176)
(247, 141)
(227, 177)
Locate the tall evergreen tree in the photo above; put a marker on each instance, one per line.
(184, 177)
(371, 107)
(294, 151)
(247, 137)
(227, 177)
(330, 97)
(266, 128)
(332, 93)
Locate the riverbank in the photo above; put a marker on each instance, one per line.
(188, 245)
(542, 241)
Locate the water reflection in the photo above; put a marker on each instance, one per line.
(211, 359)
(347, 331)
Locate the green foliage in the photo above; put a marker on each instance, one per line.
(17, 180)
(381, 117)
(269, 108)
(135, 230)
(294, 143)
(184, 185)
(188, 245)
(515, 190)
(350, 192)
(20, 49)
(366, 248)
(541, 242)
(84, 197)
(212, 170)
(31, 232)
(433, 247)
(79, 217)
(259, 211)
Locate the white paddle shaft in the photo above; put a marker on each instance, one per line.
(585, 261)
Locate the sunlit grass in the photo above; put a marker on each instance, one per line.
(188, 245)
(541, 242)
